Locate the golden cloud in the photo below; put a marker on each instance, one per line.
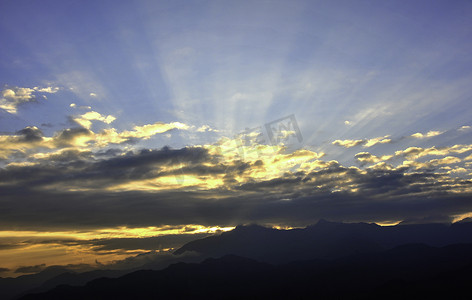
(348, 143)
(14, 96)
(366, 143)
(417, 152)
(86, 119)
(427, 135)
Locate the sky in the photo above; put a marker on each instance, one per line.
(135, 126)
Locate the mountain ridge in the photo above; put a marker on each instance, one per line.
(232, 277)
(324, 240)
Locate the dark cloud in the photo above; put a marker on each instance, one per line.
(31, 134)
(153, 260)
(72, 167)
(3, 270)
(69, 155)
(428, 220)
(9, 245)
(126, 244)
(31, 269)
(35, 196)
(67, 136)
(151, 243)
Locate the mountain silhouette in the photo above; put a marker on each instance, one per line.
(322, 249)
(325, 240)
(12, 288)
(407, 271)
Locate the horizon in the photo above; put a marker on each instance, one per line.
(134, 128)
(28, 270)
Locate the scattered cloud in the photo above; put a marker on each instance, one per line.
(31, 139)
(378, 140)
(86, 119)
(12, 97)
(348, 143)
(73, 105)
(458, 170)
(49, 89)
(417, 152)
(445, 161)
(366, 157)
(427, 135)
(366, 143)
(205, 128)
(144, 132)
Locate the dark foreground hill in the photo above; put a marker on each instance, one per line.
(325, 240)
(413, 271)
(12, 288)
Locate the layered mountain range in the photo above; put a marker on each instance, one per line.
(325, 260)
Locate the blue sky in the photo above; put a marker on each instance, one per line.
(388, 68)
(91, 92)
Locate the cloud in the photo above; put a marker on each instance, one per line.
(348, 143)
(417, 152)
(366, 143)
(31, 139)
(366, 157)
(49, 89)
(31, 269)
(85, 119)
(378, 140)
(12, 97)
(64, 155)
(151, 243)
(73, 105)
(427, 135)
(220, 187)
(458, 170)
(108, 136)
(205, 128)
(77, 182)
(3, 270)
(28, 138)
(72, 137)
(445, 161)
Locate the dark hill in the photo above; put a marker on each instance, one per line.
(406, 272)
(325, 240)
